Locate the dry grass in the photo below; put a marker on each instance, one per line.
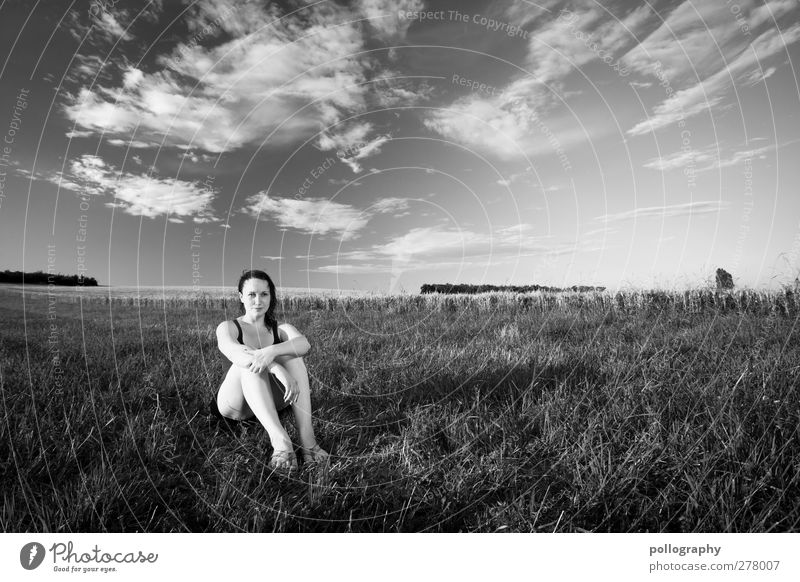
(569, 412)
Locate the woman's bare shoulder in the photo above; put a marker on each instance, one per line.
(287, 331)
(225, 326)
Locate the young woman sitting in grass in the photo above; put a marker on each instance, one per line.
(268, 373)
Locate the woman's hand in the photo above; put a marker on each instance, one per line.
(262, 359)
(242, 356)
(292, 389)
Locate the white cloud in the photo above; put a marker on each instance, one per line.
(580, 36)
(432, 248)
(344, 182)
(523, 12)
(603, 230)
(712, 157)
(137, 194)
(132, 78)
(73, 134)
(239, 92)
(129, 144)
(695, 55)
(391, 89)
(510, 125)
(348, 136)
(679, 160)
(757, 76)
(352, 143)
(108, 24)
(151, 197)
(384, 16)
(316, 216)
(352, 268)
(87, 66)
(248, 73)
(698, 39)
(688, 209)
(685, 104)
(428, 242)
(519, 119)
(368, 149)
(392, 205)
(319, 216)
(210, 17)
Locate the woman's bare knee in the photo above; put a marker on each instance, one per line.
(231, 402)
(229, 411)
(288, 361)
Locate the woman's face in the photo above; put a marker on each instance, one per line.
(255, 297)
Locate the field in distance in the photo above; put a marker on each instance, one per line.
(170, 291)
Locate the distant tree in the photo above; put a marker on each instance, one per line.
(449, 288)
(42, 278)
(724, 279)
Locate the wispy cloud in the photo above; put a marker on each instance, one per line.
(107, 22)
(427, 248)
(136, 194)
(128, 144)
(698, 39)
(221, 98)
(313, 216)
(384, 17)
(270, 77)
(690, 157)
(508, 125)
(717, 55)
(688, 209)
(578, 36)
(521, 118)
(363, 151)
(319, 216)
(391, 205)
(711, 158)
(757, 76)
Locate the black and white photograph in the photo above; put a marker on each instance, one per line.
(414, 266)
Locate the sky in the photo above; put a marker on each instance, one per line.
(379, 145)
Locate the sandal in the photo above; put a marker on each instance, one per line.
(284, 462)
(315, 454)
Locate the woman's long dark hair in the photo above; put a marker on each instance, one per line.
(269, 317)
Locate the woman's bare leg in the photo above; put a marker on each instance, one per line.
(244, 394)
(258, 394)
(302, 408)
(230, 399)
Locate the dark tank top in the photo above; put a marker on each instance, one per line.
(275, 338)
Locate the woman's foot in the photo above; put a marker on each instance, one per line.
(283, 461)
(315, 454)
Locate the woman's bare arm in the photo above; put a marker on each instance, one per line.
(293, 345)
(237, 353)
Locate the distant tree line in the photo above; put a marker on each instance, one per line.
(42, 278)
(450, 288)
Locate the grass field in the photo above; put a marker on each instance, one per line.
(560, 412)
